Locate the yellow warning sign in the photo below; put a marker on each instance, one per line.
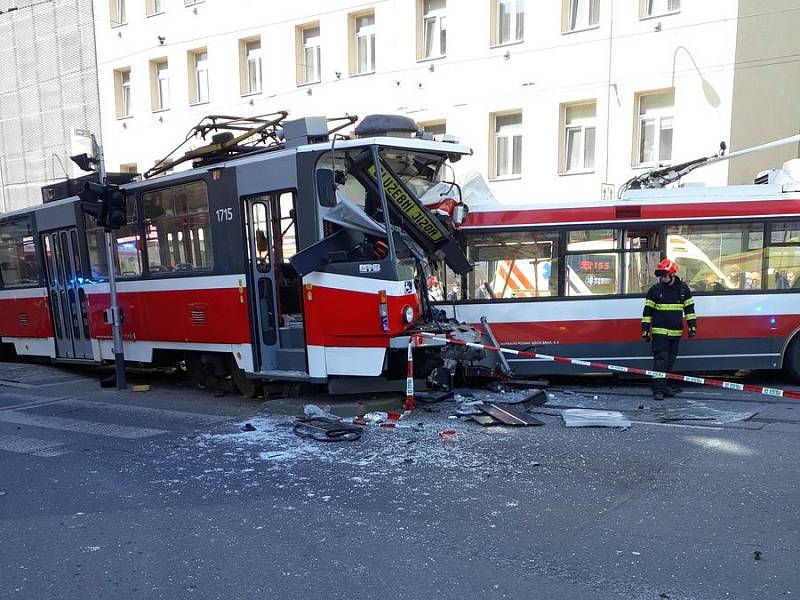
(402, 200)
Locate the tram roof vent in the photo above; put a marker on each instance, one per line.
(386, 125)
(309, 130)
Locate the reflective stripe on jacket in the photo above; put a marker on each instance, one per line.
(665, 307)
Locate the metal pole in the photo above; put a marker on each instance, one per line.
(116, 320)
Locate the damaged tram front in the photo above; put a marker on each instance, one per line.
(322, 249)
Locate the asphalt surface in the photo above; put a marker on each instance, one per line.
(107, 494)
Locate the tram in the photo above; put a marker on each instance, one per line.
(287, 252)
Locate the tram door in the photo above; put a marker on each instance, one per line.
(263, 291)
(65, 278)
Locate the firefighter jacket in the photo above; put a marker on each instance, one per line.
(665, 307)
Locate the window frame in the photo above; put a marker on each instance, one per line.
(582, 125)
(251, 65)
(158, 81)
(118, 13)
(516, 26)
(592, 8)
(367, 35)
(646, 9)
(439, 18)
(658, 116)
(511, 152)
(303, 46)
(154, 7)
(122, 93)
(198, 76)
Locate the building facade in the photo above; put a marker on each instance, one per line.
(560, 100)
(48, 95)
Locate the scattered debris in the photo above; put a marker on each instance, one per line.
(248, 427)
(509, 416)
(757, 554)
(327, 430)
(141, 388)
(582, 417)
(312, 410)
(430, 397)
(485, 420)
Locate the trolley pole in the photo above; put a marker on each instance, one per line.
(116, 317)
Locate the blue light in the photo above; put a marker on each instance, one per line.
(759, 309)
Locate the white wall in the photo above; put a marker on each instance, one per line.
(473, 81)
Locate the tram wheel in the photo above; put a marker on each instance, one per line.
(249, 388)
(791, 362)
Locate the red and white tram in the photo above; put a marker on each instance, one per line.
(570, 279)
(278, 256)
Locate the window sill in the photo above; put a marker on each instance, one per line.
(155, 14)
(580, 29)
(659, 15)
(118, 25)
(160, 110)
(124, 117)
(248, 94)
(506, 178)
(308, 83)
(199, 103)
(424, 59)
(363, 74)
(504, 44)
(576, 172)
(650, 165)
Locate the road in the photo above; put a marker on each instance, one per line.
(108, 494)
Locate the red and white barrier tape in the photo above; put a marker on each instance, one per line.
(756, 389)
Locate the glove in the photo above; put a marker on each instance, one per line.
(646, 336)
(692, 331)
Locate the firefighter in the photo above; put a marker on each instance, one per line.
(662, 321)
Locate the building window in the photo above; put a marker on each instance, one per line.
(652, 8)
(198, 76)
(191, 2)
(583, 14)
(509, 21)
(309, 68)
(159, 84)
(154, 7)
(578, 121)
(119, 15)
(433, 28)
(122, 88)
(436, 128)
(363, 44)
(654, 131)
(250, 66)
(507, 145)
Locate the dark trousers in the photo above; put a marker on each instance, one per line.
(665, 351)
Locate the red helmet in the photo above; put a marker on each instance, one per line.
(666, 267)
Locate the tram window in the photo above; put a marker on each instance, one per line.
(261, 228)
(713, 258)
(642, 255)
(783, 256)
(512, 265)
(593, 262)
(177, 228)
(288, 226)
(18, 266)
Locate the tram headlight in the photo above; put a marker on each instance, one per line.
(408, 315)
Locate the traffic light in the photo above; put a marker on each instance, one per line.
(116, 209)
(106, 203)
